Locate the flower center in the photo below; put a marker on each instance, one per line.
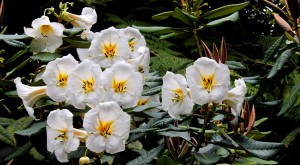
(141, 69)
(119, 86)
(104, 128)
(208, 82)
(62, 80)
(178, 95)
(45, 29)
(142, 102)
(110, 50)
(63, 136)
(131, 43)
(87, 85)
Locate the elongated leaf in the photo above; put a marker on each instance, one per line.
(143, 130)
(7, 137)
(184, 135)
(263, 150)
(20, 152)
(273, 49)
(151, 91)
(78, 43)
(154, 79)
(17, 68)
(35, 128)
(259, 161)
(258, 122)
(207, 158)
(283, 58)
(224, 10)
(73, 31)
(13, 37)
(153, 28)
(46, 57)
(256, 134)
(20, 124)
(233, 17)
(289, 100)
(153, 84)
(147, 157)
(235, 65)
(6, 121)
(162, 16)
(15, 43)
(146, 106)
(165, 160)
(291, 137)
(271, 103)
(17, 55)
(213, 125)
(183, 16)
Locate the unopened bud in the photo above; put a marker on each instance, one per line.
(84, 160)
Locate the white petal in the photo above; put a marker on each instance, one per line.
(90, 121)
(95, 143)
(114, 144)
(38, 45)
(61, 155)
(206, 66)
(60, 119)
(52, 144)
(71, 145)
(58, 28)
(200, 96)
(52, 43)
(193, 76)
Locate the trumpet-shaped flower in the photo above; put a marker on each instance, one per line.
(47, 36)
(108, 127)
(61, 136)
(175, 96)
(86, 20)
(108, 47)
(135, 40)
(236, 97)
(208, 80)
(56, 77)
(122, 84)
(84, 85)
(141, 63)
(29, 95)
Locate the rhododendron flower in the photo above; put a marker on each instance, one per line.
(61, 136)
(84, 85)
(29, 95)
(236, 97)
(86, 20)
(108, 47)
(208, 80)
(175, 97)
(56, 77)
(108, 127)
(135, 40)
(122, 84)
(142, 61)
(47, 36)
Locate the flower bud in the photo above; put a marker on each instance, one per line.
(84, 160)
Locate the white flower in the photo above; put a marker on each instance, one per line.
(29, 94)
(56, 77)
(144, 100)
(86, 20)
(135, 40)
(142, 61)
(47, 35)
(236, 97)
(84, 85)
(108, 126)
(208, 80)
(122, 84)
(60, 134)
(108, 47)
(175, 97)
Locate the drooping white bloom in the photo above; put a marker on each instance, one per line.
(142, 61)
(175, 97)
(108, 127)
(84, 85)
(29, 95)
(144, 100)
(108, 47)
(56, 77)
(208, 80)
(86, 20)
(236, 97)
(47, 36)
(61, 137)
(135, 40)
(122, 84)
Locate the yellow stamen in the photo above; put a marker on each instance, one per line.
(119, 86)
(62, 79)
(142, 102)
(45, 29)
(63, 136)
(104, 128)
(88, 85)
(178, 95)
(131, 44)
(208, 82)
(110, 50)
(141, 69)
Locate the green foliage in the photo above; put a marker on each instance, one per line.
(147, 157)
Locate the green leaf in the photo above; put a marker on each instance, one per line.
(36, 155)
(289, 99)
(263, 150)
(13, 37)
(146, 106)
(184, 135)
(252, 80)
(45, 56)
(258, 122)
(153, 28)
(256, 134)
(183, 16)
(224, 10)
(20, 124)
(271, 103)
(207, 158)
(17, 55)
(165, 160)
(151, 91)
(233, 17)
(7, 137)
(222, 152)
(162, 16)
(78, 43)
(143, 130)
(17, 68)
(73, 31)
(273, 48)
(6, 121)
(258, 160)
(35, 128)
(15, 43)
(281, 60)
(153, 84)
(20, 152)
(147, 157)
(154, 79)
(290, 137)
(235, 65)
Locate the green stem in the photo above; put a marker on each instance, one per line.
(197, 41)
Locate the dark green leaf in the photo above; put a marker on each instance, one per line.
(151, 91)
(273, 49)
(183, 16)
(35, 128)
(143, 130)
(153, 28)
(15, 43)
(281, 60)
(20, 152)
(20, 124)
(13, 37)
(15, 56)
(256, 134)
(154, 79)
(6, 121)
(162, 16)
(290, 99)
(207, 158)
(165, 160)
(259, 161)
(184, 135)
(271, 103)
(291, 137)
(73, 31)
(153, 84)
(235, 65)
(224, 10)
(233, 17)
(147, 157)
(46, 57)
(7, 137)
(78, 43)
(17, 68)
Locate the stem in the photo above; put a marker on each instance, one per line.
(197, 41)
